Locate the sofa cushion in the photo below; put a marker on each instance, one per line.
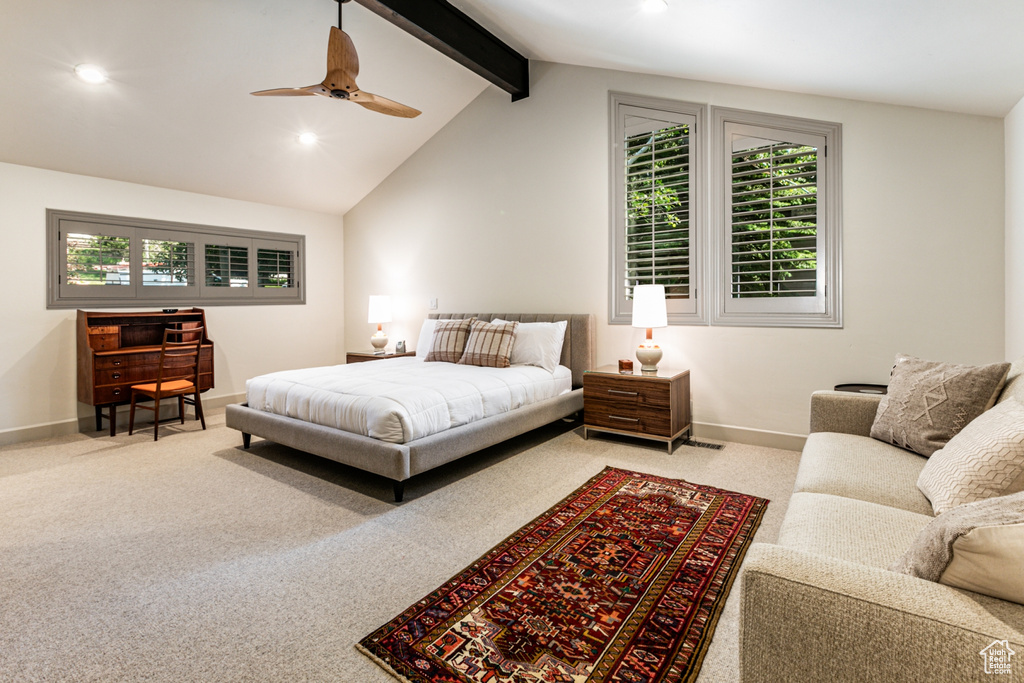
(862, 468)
(847, 529)
(977, 546)
(1014, 387)
(930, 402)
(984, 460)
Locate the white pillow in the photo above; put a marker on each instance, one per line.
(537, 344)
(425, 339)
(985, 459)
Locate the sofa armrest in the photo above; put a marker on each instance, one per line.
(843, 411)
(807, 617)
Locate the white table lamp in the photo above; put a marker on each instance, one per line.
(380, 312)
(649, 311)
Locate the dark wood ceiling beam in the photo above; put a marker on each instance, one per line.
(447, 29)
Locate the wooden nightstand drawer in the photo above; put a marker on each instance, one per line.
(625, 389)
(625, 419)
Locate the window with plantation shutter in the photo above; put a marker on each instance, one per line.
(115, 261)
(167, 263)
(227, 265)
(657, 149)
(777, 220)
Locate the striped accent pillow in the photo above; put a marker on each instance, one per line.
(449, 340)
(489, 344)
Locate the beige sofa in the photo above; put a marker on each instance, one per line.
(820, 604)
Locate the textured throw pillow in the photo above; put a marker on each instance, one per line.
(929, 402)
(489, 344)
(977, 547)
(448, 340)
(538, 344)
(984, 460)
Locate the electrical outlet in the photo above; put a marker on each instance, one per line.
(433, 304)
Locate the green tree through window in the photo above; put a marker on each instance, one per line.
(657, 209)
(774, 219)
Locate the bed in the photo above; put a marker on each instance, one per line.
(401, 461)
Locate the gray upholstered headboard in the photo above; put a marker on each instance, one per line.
(578, 347)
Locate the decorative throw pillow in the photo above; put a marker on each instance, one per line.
(449, 340)
(977, 547)
(538, 344)
(984, 460)
(929, 402)
(489, 344)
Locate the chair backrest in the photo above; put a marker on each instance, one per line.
(179, 356)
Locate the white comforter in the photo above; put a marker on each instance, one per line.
(402, 399)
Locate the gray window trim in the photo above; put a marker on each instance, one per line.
(778, 312)
(680, 312)
(59, 294)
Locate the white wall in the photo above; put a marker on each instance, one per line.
(507, 209)
(37, 346)
(1014, 131)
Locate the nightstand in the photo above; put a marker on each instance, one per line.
(363, 356)
(646, 406)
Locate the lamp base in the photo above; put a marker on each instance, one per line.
(379, 341)
(649, 357)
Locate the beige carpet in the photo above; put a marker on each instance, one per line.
(190, 559)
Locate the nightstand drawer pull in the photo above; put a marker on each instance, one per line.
(623, 393)
(624, 419)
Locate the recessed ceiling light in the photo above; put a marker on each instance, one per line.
(308, 138)
(654, 6)
(90, 73)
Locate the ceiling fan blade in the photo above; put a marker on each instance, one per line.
(342, 62)
(382, 104)
(317, 89)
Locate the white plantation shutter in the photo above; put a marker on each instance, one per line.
(657, 199)
(774, 216)
(657, 158)
(777, 220)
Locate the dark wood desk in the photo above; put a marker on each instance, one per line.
(117, 350)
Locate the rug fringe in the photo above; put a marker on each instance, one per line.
(381, 663)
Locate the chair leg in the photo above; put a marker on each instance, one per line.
(181, 407)
(156, 418)
(131, 416)
(199, 409)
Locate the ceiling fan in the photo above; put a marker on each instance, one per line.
(340, 83)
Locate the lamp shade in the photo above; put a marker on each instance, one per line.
(380, 309)
(649, 306)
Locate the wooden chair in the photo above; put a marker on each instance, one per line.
(177, 375)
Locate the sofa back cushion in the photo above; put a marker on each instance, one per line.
(1014, 387)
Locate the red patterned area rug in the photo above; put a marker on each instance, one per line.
(623, 580)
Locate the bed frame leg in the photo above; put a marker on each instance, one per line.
(399, 491)
(246, 438)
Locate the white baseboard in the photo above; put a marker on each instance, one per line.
(754, 437)
(87, 423)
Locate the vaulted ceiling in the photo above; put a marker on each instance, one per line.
(176, 112)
